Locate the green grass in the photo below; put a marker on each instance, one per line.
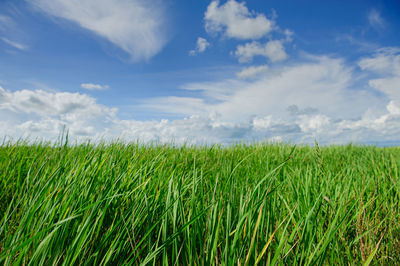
(137, 204)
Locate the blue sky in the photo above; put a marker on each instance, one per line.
(201, 71)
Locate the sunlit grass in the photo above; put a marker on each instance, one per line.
(159, 204)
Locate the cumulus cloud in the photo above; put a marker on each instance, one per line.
(273, 50)
(137, 27)
(252, 72)
(93, 87)
(234, 20)
(43, 114)
(298, 129)
(201, 46)
(50, 104)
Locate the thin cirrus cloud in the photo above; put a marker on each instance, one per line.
(15, 44)
(137, 27)
(375, 19)
(94, 87)
(5, 22)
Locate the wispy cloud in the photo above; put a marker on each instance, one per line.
(137, 27)
(93, 87)
(386, 64)
(5, 22)
(252, 72)
(319, 82)
(14, 44)
(375, 19)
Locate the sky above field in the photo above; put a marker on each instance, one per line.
(201, 71)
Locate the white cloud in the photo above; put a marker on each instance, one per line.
(386, 64)
(14, 44)
(323, 83)
(252, 72)
(37, 113)
(9, 28)
(318, 98)
(375, 19)
(137, 27)
(234, 20)
(386, 61)
(49, 104)
(304, 127)
(288, 35)
(314, 99)
(92, 87)
(273, 50)
(201, 46)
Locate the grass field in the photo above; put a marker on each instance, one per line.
(161, 204)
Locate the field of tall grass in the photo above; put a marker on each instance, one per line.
(115, 204)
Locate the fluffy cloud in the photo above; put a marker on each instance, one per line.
(273, 50)
(201, 46)
(43, 114)
(234, 20)
(92, 87)
(50, 104)
(136, 26)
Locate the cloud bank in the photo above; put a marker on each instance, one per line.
(319, 98)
